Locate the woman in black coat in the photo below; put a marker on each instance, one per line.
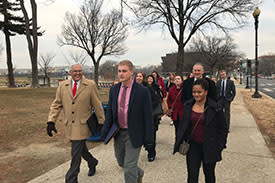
(156, 100)
(208, 138)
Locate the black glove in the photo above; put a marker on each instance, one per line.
(149, 146)
(50, 128)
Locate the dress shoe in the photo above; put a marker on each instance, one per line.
(140, 179)
(92, 170)
(150, 159)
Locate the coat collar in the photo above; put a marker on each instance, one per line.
(132, 94)
(82, 86)
(212, 107)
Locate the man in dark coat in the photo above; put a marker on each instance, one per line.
(130, 108)
(197, 72)
(226, 92)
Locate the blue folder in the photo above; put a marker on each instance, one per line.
(112, 132)
(97, 137)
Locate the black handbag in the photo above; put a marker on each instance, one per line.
(93, 124)
(158, 110)
(184, 147)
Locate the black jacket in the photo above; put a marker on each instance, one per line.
(215, 131)
(188, 87)
(230, 90)
(140, 122)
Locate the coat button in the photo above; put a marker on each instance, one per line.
(73, 112)
(73, 121)
(73, 102)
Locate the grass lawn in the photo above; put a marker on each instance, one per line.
(26, 151)
(23, 115)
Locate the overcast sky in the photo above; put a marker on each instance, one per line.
(145, 48)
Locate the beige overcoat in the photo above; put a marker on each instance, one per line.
(77, 109)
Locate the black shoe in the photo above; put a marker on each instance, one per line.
(150, 159)
(92, 170)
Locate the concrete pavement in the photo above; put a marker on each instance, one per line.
(245, 160)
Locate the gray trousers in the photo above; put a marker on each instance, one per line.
(127, 157)
(78, 150)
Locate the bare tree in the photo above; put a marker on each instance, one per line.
(44, 63)
(32, 38)
(12, 24)
(216, 53)
(108, 69)
(76, 58)
(99, 35)
(184, 18)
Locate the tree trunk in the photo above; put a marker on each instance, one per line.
(180, 56)
(8, 48)
(49, 81)
(180, 59)
(9, 60)
(35, 83)
(32, 44)
(96, 72)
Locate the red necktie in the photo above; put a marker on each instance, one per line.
(75, 88)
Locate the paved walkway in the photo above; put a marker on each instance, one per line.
(246, 159)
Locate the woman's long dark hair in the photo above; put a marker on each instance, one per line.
(154, 85)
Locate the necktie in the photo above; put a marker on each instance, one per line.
(222, 94)
(122, 105)
(74, 88)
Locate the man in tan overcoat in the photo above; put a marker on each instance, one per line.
(76, 97)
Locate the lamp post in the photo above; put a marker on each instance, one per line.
(114, 74)
(247, 73)
(256, 14)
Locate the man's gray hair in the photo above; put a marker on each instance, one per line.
(75, 65)
(198, 63)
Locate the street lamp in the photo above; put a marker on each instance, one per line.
(114, 75)
(256, 14)
(247, 74)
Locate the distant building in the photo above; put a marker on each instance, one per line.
(169, 62)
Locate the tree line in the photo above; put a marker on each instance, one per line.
(101, 34)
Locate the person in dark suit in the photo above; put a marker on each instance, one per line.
(204, 124)
(226, 92)
(130, 108)
(76, 97)
(197, 72)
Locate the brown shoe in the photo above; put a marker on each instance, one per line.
(140, 179)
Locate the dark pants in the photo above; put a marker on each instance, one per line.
(226, 109)
(194, 159)
(78, 150)
(152, 152)
(176, 125)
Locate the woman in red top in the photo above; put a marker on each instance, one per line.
(207, 139)
(175, 106)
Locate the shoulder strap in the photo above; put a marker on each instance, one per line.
(190, 136)
(173, 105)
